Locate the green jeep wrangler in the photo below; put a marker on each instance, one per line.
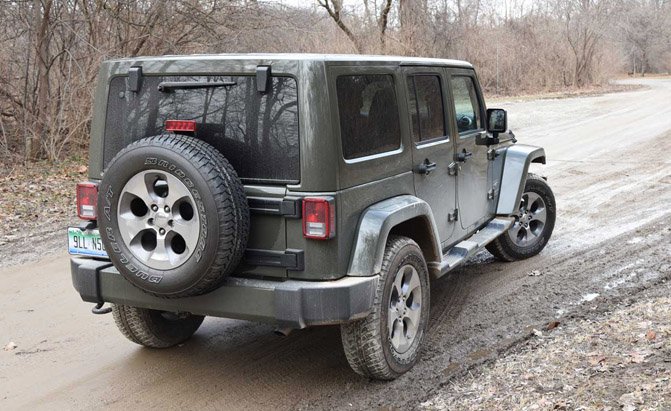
(299, 190)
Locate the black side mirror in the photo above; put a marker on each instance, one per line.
(497, 121)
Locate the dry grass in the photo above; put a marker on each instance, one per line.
(618, 360)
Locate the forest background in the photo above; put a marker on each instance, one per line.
(51, 49)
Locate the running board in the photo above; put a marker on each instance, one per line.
(467, 248)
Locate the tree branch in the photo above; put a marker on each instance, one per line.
(333, 8)
(384, 20)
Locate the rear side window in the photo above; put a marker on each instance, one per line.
(466, 104)
(426, 107)
(257, 133)
(368, 112)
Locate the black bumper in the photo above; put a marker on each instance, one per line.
(289, 303)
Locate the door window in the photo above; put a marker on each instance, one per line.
(466, 104)
(368, 115)
(426, 107)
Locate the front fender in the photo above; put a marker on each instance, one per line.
(374, 226)
(514, 176)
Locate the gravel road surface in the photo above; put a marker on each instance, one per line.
(609, 164)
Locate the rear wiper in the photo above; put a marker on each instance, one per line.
(167, 86)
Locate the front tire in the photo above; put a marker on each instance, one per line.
(388, 341)
(153, 328)
(533, 224)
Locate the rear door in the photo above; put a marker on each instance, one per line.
(470, 159)
(432, 147)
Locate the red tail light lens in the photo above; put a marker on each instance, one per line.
(318, 218)
(87, 201)
(180, 126)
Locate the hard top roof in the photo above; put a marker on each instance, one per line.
(327, 58)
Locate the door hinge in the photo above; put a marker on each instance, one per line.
(491, 154)
(490, 194)
(453, 169)
(453, 216)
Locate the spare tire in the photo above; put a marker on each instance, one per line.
(173, 215)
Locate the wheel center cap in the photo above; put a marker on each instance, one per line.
(161, 219)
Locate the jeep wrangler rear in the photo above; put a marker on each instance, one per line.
(299, 190)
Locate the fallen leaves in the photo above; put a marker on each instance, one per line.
(650, 335)
(638, 357)
(37, 197)
(630, 400)
(619, 360)
(552, 325)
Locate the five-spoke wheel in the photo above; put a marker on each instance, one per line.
(530, 220)
(534, 222)
(158, 219)
(405, 305)
(387, 342)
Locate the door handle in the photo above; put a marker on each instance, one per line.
(464, 155)
(426, 167)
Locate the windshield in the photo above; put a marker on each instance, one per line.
(257, 133)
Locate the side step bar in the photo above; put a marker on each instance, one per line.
(467, 248)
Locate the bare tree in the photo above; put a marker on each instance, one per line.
(51, 49)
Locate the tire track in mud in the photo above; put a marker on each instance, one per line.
(508, 309)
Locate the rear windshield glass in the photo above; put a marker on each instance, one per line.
(257, 133)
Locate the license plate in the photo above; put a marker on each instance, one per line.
(87, 242)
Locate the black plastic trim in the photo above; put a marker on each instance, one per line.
(289, 207)
(263, 79)
(287, 303)
(293, 260)
(135, 78)
(90, 288)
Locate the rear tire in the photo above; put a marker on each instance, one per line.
(387, 343)
(533, 224)
(153, 328)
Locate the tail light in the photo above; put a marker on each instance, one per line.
(318, 218)
(180, 126)
(87, 200)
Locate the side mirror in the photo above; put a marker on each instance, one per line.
(497, 121)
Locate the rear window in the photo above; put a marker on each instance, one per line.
(368, 115)
(257, 133)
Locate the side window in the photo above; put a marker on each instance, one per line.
(368, 115)
(426, 107)
(466, 104)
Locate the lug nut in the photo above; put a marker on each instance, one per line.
(166, 209)
(150, 221)
(170, 223)
(161, 231)
(154, 207)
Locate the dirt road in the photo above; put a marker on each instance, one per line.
(611, 172)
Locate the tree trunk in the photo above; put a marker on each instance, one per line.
(42, 16)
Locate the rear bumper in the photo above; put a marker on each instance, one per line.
(289, 303)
